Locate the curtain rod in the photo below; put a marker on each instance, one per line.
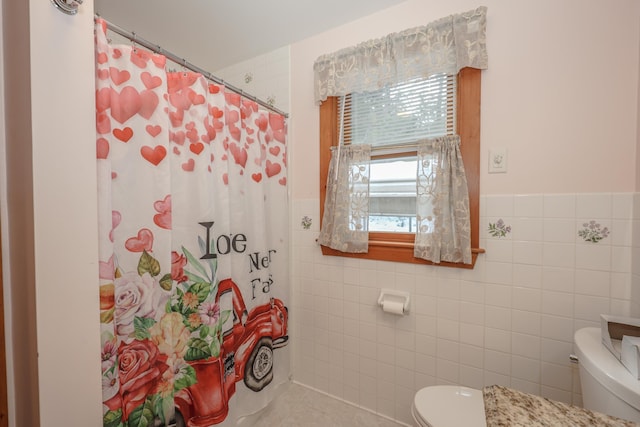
(184, 63)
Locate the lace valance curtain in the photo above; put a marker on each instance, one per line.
(444, 46)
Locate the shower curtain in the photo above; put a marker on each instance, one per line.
(193, 245)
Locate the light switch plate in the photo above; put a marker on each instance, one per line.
(497, 160)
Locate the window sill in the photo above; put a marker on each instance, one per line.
(396, 250)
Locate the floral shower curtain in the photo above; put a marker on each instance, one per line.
(193, 245)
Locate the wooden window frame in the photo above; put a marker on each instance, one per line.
(398, 247)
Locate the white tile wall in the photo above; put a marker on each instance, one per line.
(509, 321)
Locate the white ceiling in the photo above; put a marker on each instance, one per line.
(214, 34)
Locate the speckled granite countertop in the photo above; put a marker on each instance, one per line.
(509, 408)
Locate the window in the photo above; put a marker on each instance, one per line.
(392, 194)
(392, 119)
(397, 245)
(410, 98)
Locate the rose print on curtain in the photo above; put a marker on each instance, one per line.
(193, 245)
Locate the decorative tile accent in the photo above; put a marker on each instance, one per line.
(306, 222)
(248, 77)
(593, 232)
(271, 100)
(499, 229)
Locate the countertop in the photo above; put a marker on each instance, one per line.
(509, 408)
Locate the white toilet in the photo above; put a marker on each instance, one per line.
(448, 406)
(607, 386)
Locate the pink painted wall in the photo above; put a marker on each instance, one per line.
(560, 94)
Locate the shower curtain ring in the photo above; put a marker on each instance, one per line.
(70, 7)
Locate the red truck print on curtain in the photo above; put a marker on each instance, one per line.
(249, 338)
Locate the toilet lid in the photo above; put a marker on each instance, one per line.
(450, 406)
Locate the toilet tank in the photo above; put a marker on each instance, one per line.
(607, 386)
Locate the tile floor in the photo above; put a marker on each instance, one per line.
(299, 406)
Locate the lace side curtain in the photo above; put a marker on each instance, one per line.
(443, 230)
(443, 46)
(345, 222)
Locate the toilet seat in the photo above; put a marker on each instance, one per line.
(449, 406)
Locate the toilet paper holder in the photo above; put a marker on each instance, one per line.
(394, 297)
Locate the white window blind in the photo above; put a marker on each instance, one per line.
(401, 114)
